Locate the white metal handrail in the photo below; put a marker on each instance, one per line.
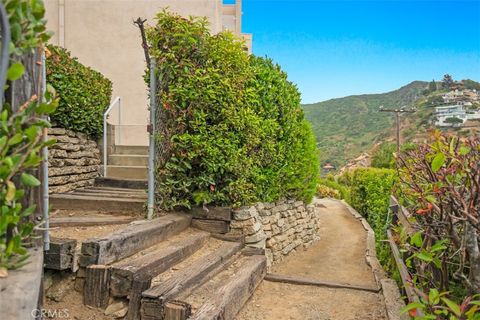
(118, 101)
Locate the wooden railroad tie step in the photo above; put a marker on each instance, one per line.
(228, 298)
(184, 282)
(133, 238)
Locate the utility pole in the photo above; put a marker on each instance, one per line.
(397, 120)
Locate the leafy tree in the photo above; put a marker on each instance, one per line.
(447, 81)
(432, 86)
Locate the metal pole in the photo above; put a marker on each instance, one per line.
(151, 146)
(5, 55)
(105, 144)
(119, 122)
(397, 119)
(45, 197)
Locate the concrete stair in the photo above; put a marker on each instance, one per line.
(128, 162)
(164, 269)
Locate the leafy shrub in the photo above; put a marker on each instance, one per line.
(342, 191)
(383, 156)
(232, 130)
(370, 196)
(84, 93)
(326, 192)
(440, 184)
(21, 136)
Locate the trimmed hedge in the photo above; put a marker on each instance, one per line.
(232, 129)
(84, 93)
(370, 192)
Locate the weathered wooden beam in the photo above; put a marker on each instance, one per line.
(97, 286)
(177, 310)
(186, 280)
(133, 238)
(212, 213)
(153, 263)
(61, 254)
(214, 226)
(230, 298)
(273, 277)
(404, 274)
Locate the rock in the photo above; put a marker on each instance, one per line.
(120, 313)
(259, 236)
(115, 307)
(244, 213)
(279, 208)
(56, 131)
(62, 285)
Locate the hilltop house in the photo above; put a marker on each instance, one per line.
(101, 33)
(445, 116)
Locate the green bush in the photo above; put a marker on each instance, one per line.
(84, 93)
(343, 191)
(232, 128)
(370, 194)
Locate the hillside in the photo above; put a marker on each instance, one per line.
(346, 127)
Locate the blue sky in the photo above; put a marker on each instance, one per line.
(336, 48)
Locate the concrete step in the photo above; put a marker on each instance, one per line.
(127, 172)
(224, 295)
(96, 202)
(142, 150)
(111, 182)
(128, 160)
(131, 239)
(186, 277)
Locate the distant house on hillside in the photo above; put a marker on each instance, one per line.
(453, 116)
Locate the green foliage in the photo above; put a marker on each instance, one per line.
(432, 86)
(436, 305)
(470, 84)
(326, 192)
(346, 127)
(439, 185)
(383, 156)
(84, 93)
(21, 136)
(342, 191)
(370, 194)
(232, 128)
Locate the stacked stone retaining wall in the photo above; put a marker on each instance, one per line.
(280, 228)
(74, 161)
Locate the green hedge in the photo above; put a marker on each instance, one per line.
(370, 192)
(233, 131)
(84, 93)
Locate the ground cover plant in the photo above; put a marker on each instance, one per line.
(230, 129)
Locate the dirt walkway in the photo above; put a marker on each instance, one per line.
(339, 256)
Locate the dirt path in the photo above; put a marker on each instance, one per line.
(339, 256)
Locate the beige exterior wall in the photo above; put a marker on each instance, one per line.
(102, 35)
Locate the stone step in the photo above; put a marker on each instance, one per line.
(190, 275)
(88, 202)
(135, 237)
(139, 150)
(111, 182)
(127, 172)
(224, 295)
(132, 276)
(128, 160)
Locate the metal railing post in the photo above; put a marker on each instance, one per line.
(105, 142)
(151, 145)
(45, 196)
